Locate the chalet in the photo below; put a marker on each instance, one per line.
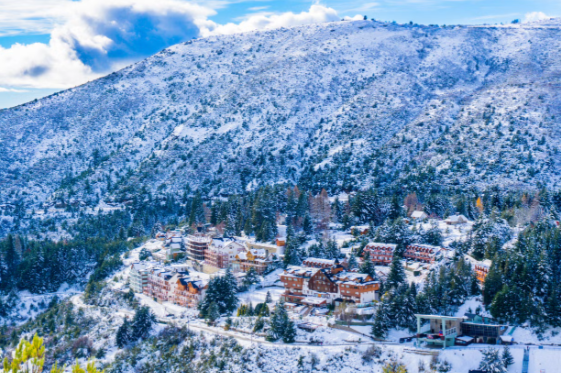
(320, 263)
(295, 280)
(221, 254)
(174, 287)
(358, 288)
(270, 248)
(322, 286)
(419, 215)
(380, 253)
(256, 258)
(456, 219)
(188, 293)
(360, 230)
(422, 253)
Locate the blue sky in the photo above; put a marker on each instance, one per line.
(49, 45)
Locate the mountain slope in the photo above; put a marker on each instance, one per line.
(333, 105)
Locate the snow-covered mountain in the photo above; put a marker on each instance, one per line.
(331, 105)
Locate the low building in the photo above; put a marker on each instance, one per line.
(456, 219)
(419, 215)
(448, 331)
(422, 253)
(380, 253)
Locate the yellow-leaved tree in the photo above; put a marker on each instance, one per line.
(395, 367)
(29, 357)
(479, 205)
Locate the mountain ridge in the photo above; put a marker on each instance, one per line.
(339, 105)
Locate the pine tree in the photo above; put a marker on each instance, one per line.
(352, 261)
(278, 323)
(124, 334)
(396, 275)
(268, 298)
(251, 277)
(491, 361)
(229, 293)
(289, 332)
(381, 322)
(213, 312)
(367, 267)
(507, 357)
(142, 323)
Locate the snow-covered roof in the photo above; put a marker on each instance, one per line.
(456, 219)
(320, 261)
(419, 214)
(372, 245)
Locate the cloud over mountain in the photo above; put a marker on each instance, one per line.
(100, 36)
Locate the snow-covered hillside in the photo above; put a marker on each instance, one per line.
(330, 105)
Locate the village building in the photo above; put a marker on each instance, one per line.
(272, 249)
(321, 286)
(360, 230)
(138, 276)
(380, 253)
(320, 263)
(159, 286)
(422, 253)
(174, 287)
(196, 245)
(419, 215)
(456, 219)
(221, 254)
(188, 293)
(445, 331)
(256, 258)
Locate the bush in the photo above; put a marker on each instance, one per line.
(371, 353)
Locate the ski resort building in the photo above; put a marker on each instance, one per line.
(256, 258)
(322, 286)
(196, 245)
(174, 287)
(138, 276)
(422, 253)
(380, 253)
(320, 263)
(448, 331)
(270, 248)
(221, 254)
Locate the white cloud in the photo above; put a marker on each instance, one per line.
(3, 90)
(535, 16)
(30, 16)
(94, 37)
(316, 14)
(97, 37)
